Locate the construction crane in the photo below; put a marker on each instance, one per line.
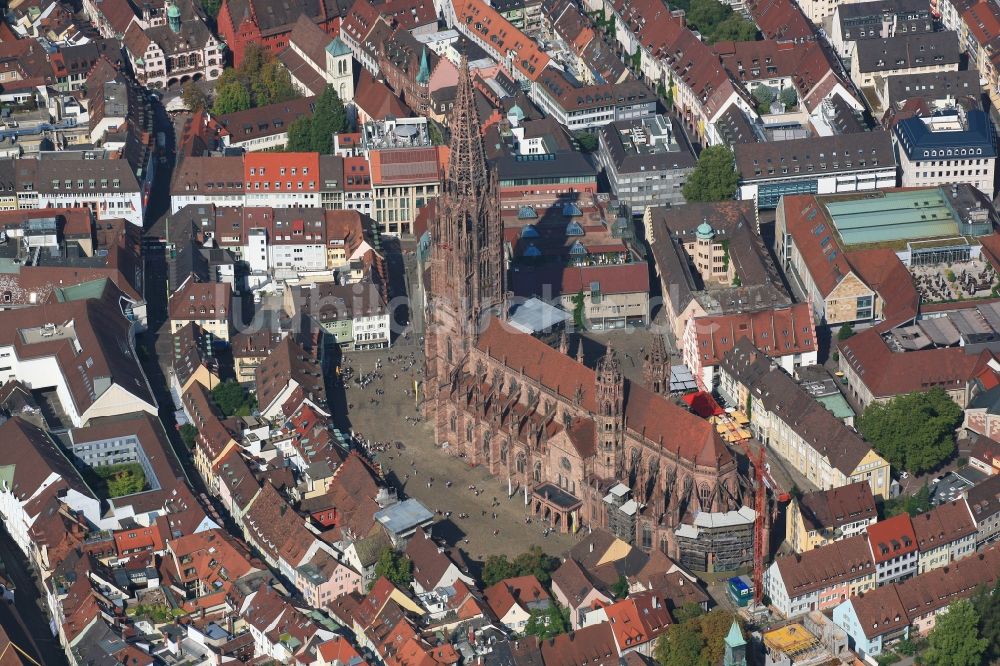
(762, 481)
(760, 509)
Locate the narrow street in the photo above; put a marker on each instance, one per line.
(26, 621)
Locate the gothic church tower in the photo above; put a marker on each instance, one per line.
(467, 272)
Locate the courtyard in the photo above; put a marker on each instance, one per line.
(954, 281)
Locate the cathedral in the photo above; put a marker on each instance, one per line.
(582, 446)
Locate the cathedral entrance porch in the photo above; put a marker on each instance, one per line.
(561, 509)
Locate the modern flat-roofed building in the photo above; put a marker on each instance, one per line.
(645, 163)
(948, 147)
(816, 165)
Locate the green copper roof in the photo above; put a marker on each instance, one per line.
(82, 291)
(337, 47)
(424, 75)
(705, 230)
(735, 636)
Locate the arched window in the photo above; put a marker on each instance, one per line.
(537, 473)
(468, 432)
(454, 422)
(704, 493)
(503, 453)
(520, 463)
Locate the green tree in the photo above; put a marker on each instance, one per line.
(697, 639)
(548, 623)
(300, 135)
(211, 8)
(735, 28)
(536, 562)
(232, 399)
(764, 96)
(579, 301)
(273, 84)
(587, 141)
(620, 588)
(230, 98)
(395, 566)
(789, 97)
(715, 177)
(912, 504)
(496, 568)
(328, 119)
(688, 611)
(986, 601)
(913, 431)
(681, 645)
(705, 15)
(717, 22)
(845, 332)
(715, 624)
(188, 435)
(194, 97)
(121, 480)
(955, 640)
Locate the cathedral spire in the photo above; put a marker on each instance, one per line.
(467, 162)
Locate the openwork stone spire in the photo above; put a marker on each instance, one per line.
(467, 285)
(467, 162)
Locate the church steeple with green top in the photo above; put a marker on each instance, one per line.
(424, 73)
(736, 647)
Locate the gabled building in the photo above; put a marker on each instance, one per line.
(821, 517)
(820, 164)
(172, 44)
(908, 609)
(83, 349)
(820, 578)
(983, 501)
(786, 418)
(242, 22)
(574, 589)
(894, 549)
(433, 567)
(856, 21)
(514, 600)
(287, 378)
(725, 270)
(910, 53)
(206, 304)
(944, 534)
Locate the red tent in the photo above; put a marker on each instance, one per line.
(703, 404)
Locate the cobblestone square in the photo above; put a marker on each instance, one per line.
(423, 470)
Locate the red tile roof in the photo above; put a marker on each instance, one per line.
(942, 525)
(646, 413)
(530, 60)
(887, 373)
(201, 300)
(284, 172)
(590, 646)
(781, 19)
(776, 332)
(521, 591)
(838, 562)
(638, 620)
(892, 538)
